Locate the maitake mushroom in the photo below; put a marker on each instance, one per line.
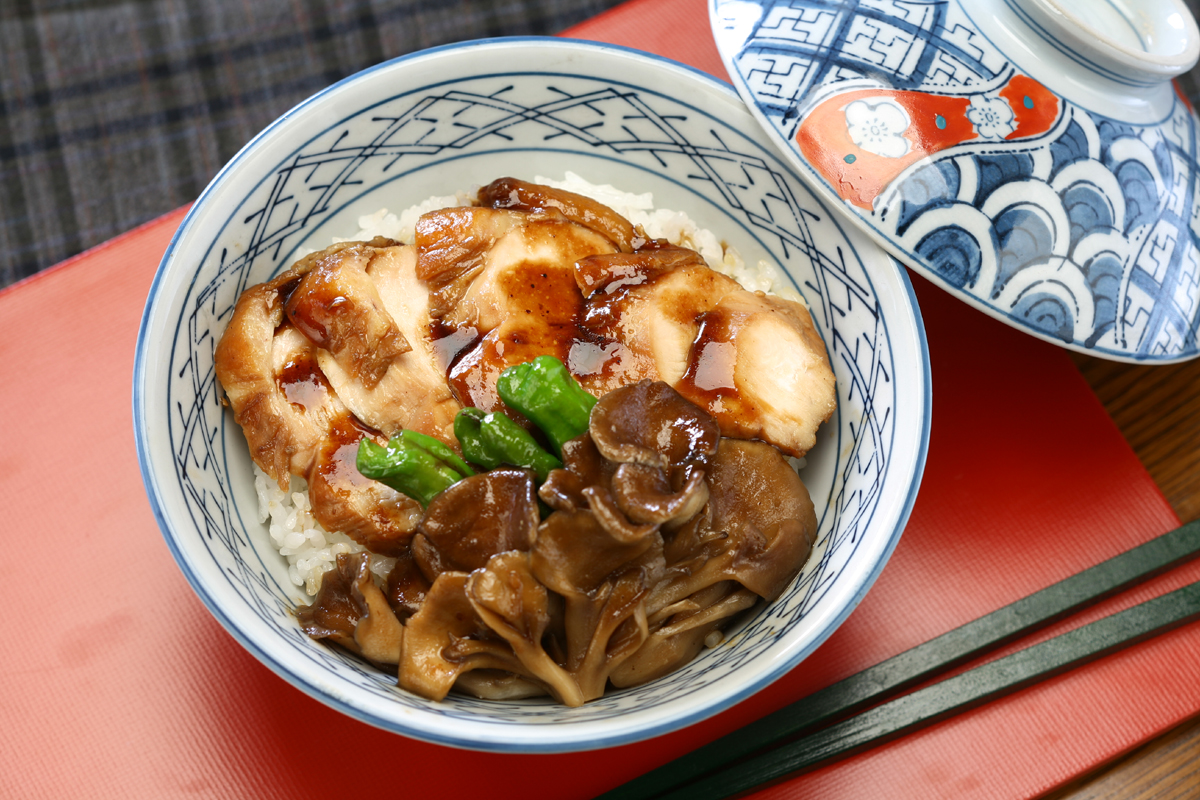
(353, 612)
(658, 532)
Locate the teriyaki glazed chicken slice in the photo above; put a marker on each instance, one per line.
(549, 449)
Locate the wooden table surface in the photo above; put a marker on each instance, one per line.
(1158, 411)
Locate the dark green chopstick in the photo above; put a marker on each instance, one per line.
(954, 695)
(940, 654)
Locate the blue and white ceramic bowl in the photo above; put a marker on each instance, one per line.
(455, 118)
(1032, 157)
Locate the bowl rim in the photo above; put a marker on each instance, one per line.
(500, 745)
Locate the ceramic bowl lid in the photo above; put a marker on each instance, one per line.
(1033, 157)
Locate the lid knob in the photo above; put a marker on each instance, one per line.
(1141, 41)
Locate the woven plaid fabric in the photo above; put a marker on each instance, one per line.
(117, 111)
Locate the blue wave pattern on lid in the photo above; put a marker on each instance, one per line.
(1084, 235)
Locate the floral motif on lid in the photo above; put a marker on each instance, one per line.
(878, 127)
(992, 117)
(863, 139)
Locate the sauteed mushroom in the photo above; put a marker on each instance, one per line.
(644, 494)
(352, 611)
(583, 466)
(516, 607)
(477, 518)
(621, 582)
(406, 587)
(447, 638)
(603, 581)
(760, 526)
(650, 423)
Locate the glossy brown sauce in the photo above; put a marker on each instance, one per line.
(550, 316)
(587, 358)
(713, 359)
(302, 382)
(450, 342)
(709, 380)
(312, 310)
(340, 469)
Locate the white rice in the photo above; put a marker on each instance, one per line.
(311, 550)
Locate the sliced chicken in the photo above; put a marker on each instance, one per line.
(529, 273)
(753, 361)
(369, 512)
(273, 383)
(337, 307)
(523, 302)
(759, 367)
(648, 304)
(413, 393)
(452, 244)
(295, 421)
(515, 194)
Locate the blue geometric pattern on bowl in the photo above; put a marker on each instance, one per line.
(449, 134)
(1084, 235)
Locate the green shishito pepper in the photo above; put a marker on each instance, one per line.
(546, 392)
(413, 463)
(542, 389)
(491, 439)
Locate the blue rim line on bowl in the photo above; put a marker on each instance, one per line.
(143, 446)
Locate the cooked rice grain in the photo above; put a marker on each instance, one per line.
(310, 549)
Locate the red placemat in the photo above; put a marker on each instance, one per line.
(118, 683)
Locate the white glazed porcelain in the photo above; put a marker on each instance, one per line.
(1030, 156)
(454, 118)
